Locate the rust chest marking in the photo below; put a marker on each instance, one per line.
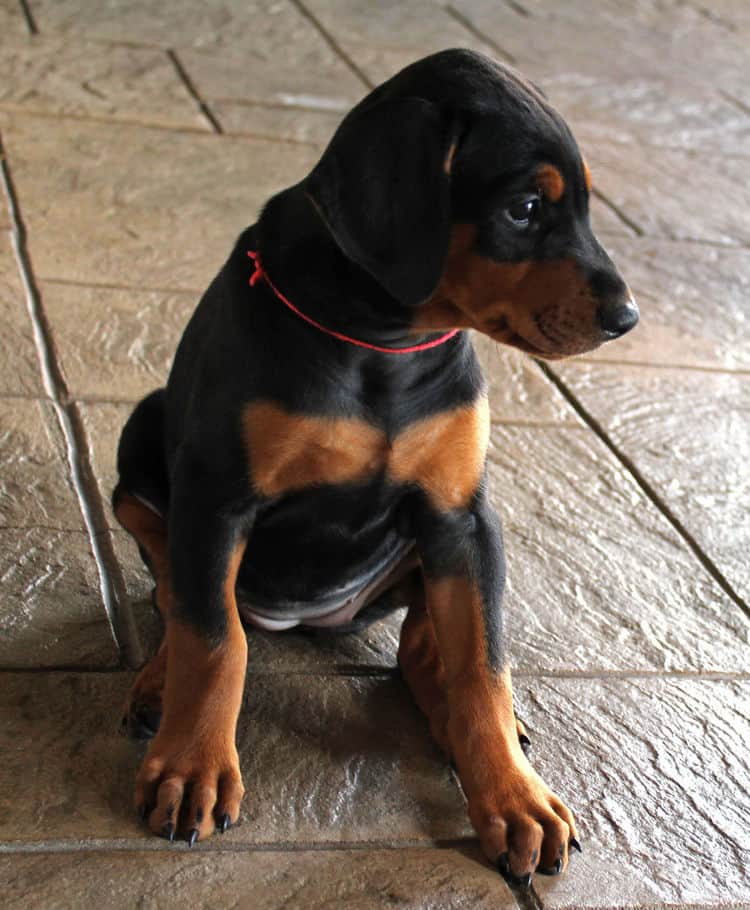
(443, 454)
(290, 451)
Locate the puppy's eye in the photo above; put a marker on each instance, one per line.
(523, 213)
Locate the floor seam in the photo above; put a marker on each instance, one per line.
(332, 43)
(28, 17)
(647, 488)
(192, 90)
(152, 845)
(733, 99)
(700, 676)
(110, 581)
(615, 209)
(645, 364)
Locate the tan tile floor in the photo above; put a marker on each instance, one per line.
(139, 138)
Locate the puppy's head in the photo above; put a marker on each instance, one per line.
(463, 193)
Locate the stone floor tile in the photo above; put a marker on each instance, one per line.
(371, 879)
(653, 40)
(116, 344)
(598, 579)
(238, 51)
(693, 301)
(688, 433)
(12, 24)
(732, 14)
(662, 113)
(675, 194)
(153, 208)
(250, 67)
(35, 489)
(70, 76)
(19, 365)
(399, 34)
(656, 772)
(298, 124)
(51, 612)
(518, 392)
(326, 760)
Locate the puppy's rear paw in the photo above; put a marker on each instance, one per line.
(143, 706)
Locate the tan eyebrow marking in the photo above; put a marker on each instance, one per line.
(550, 182)
(448, 163)
(587, 175)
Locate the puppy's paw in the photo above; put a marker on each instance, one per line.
(523, 826)
(189, 787)
(143, 705)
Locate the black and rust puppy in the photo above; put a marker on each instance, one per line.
(323, 433)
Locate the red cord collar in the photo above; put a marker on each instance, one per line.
(260, 272)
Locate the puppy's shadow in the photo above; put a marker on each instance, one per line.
(340, 751)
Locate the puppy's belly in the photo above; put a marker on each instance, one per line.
(283, 601)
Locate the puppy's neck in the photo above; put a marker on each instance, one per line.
(304, 261)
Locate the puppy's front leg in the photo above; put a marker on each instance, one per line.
(521, 824)
(190, 779)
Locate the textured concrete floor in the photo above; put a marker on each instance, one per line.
(139, 138)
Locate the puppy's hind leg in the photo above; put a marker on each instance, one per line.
(140, 503)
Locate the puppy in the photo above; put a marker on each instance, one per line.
(323, 432)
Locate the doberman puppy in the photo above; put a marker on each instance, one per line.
(323, 432)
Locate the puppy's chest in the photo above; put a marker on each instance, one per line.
(443, 453)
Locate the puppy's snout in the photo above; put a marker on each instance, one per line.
(617, 312)
(619, 316)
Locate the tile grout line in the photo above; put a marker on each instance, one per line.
(705, 560)
(469, 26)
(111, 584)
(652, 365)
(392, 673)
(193, 91)
(28, 17)
(527, 899)
(518, 9)
(737, 102)
(615, 209)
(332, 43)
(180, 129)
(156, 846)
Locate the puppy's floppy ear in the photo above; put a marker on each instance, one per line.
(383, 189)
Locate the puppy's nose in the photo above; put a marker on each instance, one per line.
(618, 317)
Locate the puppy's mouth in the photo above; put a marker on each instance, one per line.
(504, 333)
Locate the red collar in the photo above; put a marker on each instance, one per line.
(260, 272)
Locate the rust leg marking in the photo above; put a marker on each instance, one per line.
(143, 704)
(517, 817)
(194, 750)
